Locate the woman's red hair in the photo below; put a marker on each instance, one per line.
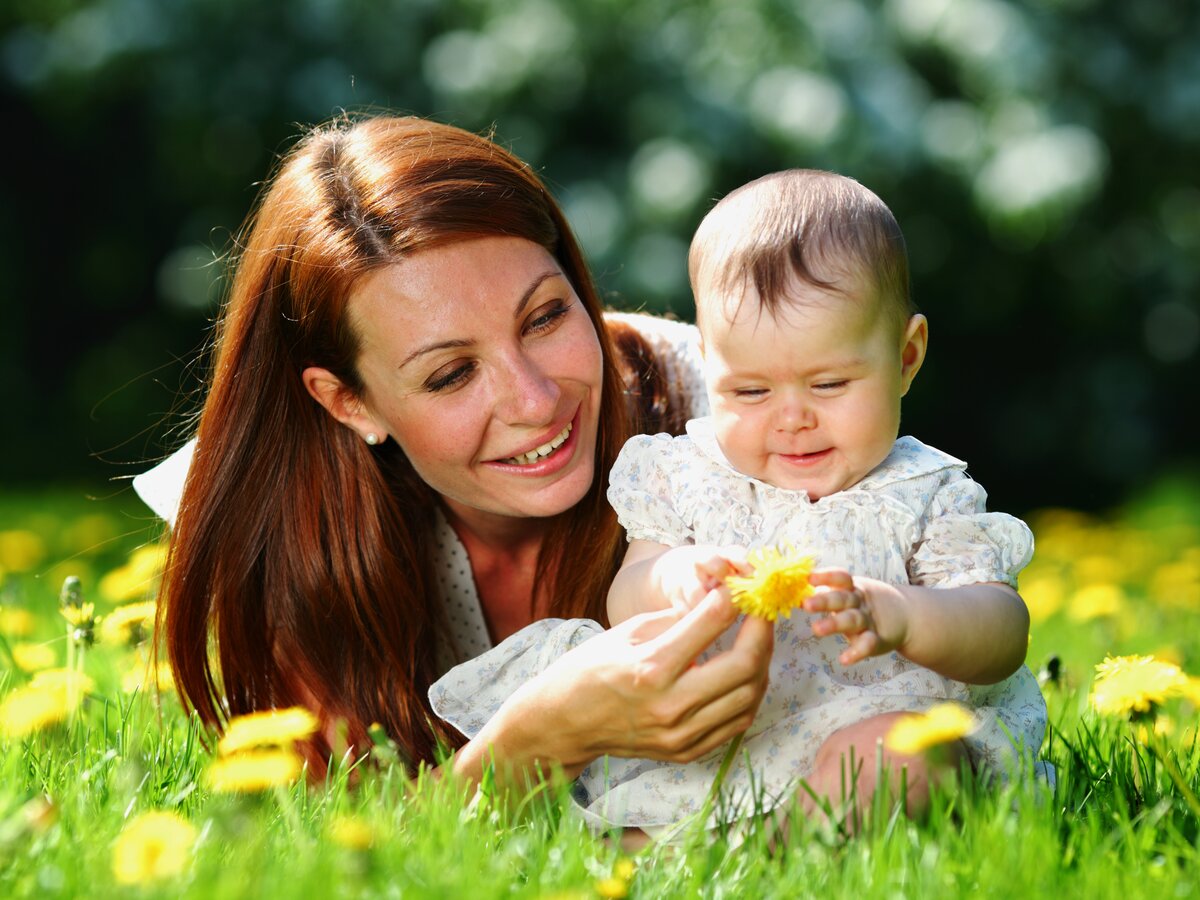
(301, 562)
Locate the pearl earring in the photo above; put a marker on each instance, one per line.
(372, 438)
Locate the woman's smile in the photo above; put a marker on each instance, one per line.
(541, 451)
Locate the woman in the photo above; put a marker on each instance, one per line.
(414, 402)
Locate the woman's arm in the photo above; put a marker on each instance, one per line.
(977, 633)
(632, 691)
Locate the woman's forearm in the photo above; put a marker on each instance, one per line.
(632, 691)
(978, 633)
(520, 744)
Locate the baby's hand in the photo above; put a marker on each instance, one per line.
(871, 614)
(687, 574)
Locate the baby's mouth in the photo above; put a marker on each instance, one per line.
(537, 453)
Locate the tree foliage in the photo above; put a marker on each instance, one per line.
(1039, 155)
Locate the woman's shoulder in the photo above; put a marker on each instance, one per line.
(162, 486)
(674, 351)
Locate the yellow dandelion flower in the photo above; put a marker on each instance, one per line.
(624, 868)
(31, 657)
(1043, 594)
(143, 678)
(129, 624)
(1128, 684)
(940, 724)
(79, 616)
(153, 846)
(270, 728)
(351, 832)
(778, 584)
(137, 577)
(1099, 569)
(1177, 583)
(612, 888)
(253, 771)
(89, 534)
(16, 622)
(65, 680)
(1190, 689)
(28, 709)
(21, 550)
(1095, 601)
(1168, 653)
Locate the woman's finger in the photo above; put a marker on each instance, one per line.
(747, 662)
(692, 633)
(727, 715)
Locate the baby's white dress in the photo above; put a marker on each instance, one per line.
(917, 518)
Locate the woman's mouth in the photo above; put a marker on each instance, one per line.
(544, 450)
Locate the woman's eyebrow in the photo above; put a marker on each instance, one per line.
(463, 342)
(532, 289)
(429, 348)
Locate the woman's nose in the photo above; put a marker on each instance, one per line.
(528, 395)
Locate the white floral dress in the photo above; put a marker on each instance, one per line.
(917, 518)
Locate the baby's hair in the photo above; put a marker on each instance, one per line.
(820, 227)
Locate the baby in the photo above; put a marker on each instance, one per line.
(810, 341)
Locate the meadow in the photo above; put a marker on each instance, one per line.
(108, 789)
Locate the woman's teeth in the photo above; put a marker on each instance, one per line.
(538, 452)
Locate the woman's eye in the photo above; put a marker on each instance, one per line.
(453, 378)
(546, 319)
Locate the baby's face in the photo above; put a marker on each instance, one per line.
(809, 400)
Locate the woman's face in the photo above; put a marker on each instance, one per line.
(480, 361)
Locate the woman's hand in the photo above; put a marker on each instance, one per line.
(635, 691)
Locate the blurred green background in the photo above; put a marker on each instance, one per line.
(1040, 156)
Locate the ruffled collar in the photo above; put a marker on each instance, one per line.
(909, 458)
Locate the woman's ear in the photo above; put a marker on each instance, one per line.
(342, 403)
(912, 350)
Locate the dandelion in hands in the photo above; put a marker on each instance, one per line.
(778, 584)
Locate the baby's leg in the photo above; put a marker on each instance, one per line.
(850, 792)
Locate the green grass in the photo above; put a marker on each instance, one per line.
(1119, 824)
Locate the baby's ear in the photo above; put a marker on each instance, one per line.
(912, 350)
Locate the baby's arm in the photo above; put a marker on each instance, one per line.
(655, 576)
(977, 633)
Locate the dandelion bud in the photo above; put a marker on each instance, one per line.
(71, 595)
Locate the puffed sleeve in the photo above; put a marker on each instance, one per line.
(962, 543)
(470, 694)
(639, 489)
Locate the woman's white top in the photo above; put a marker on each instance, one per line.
(917, 518)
